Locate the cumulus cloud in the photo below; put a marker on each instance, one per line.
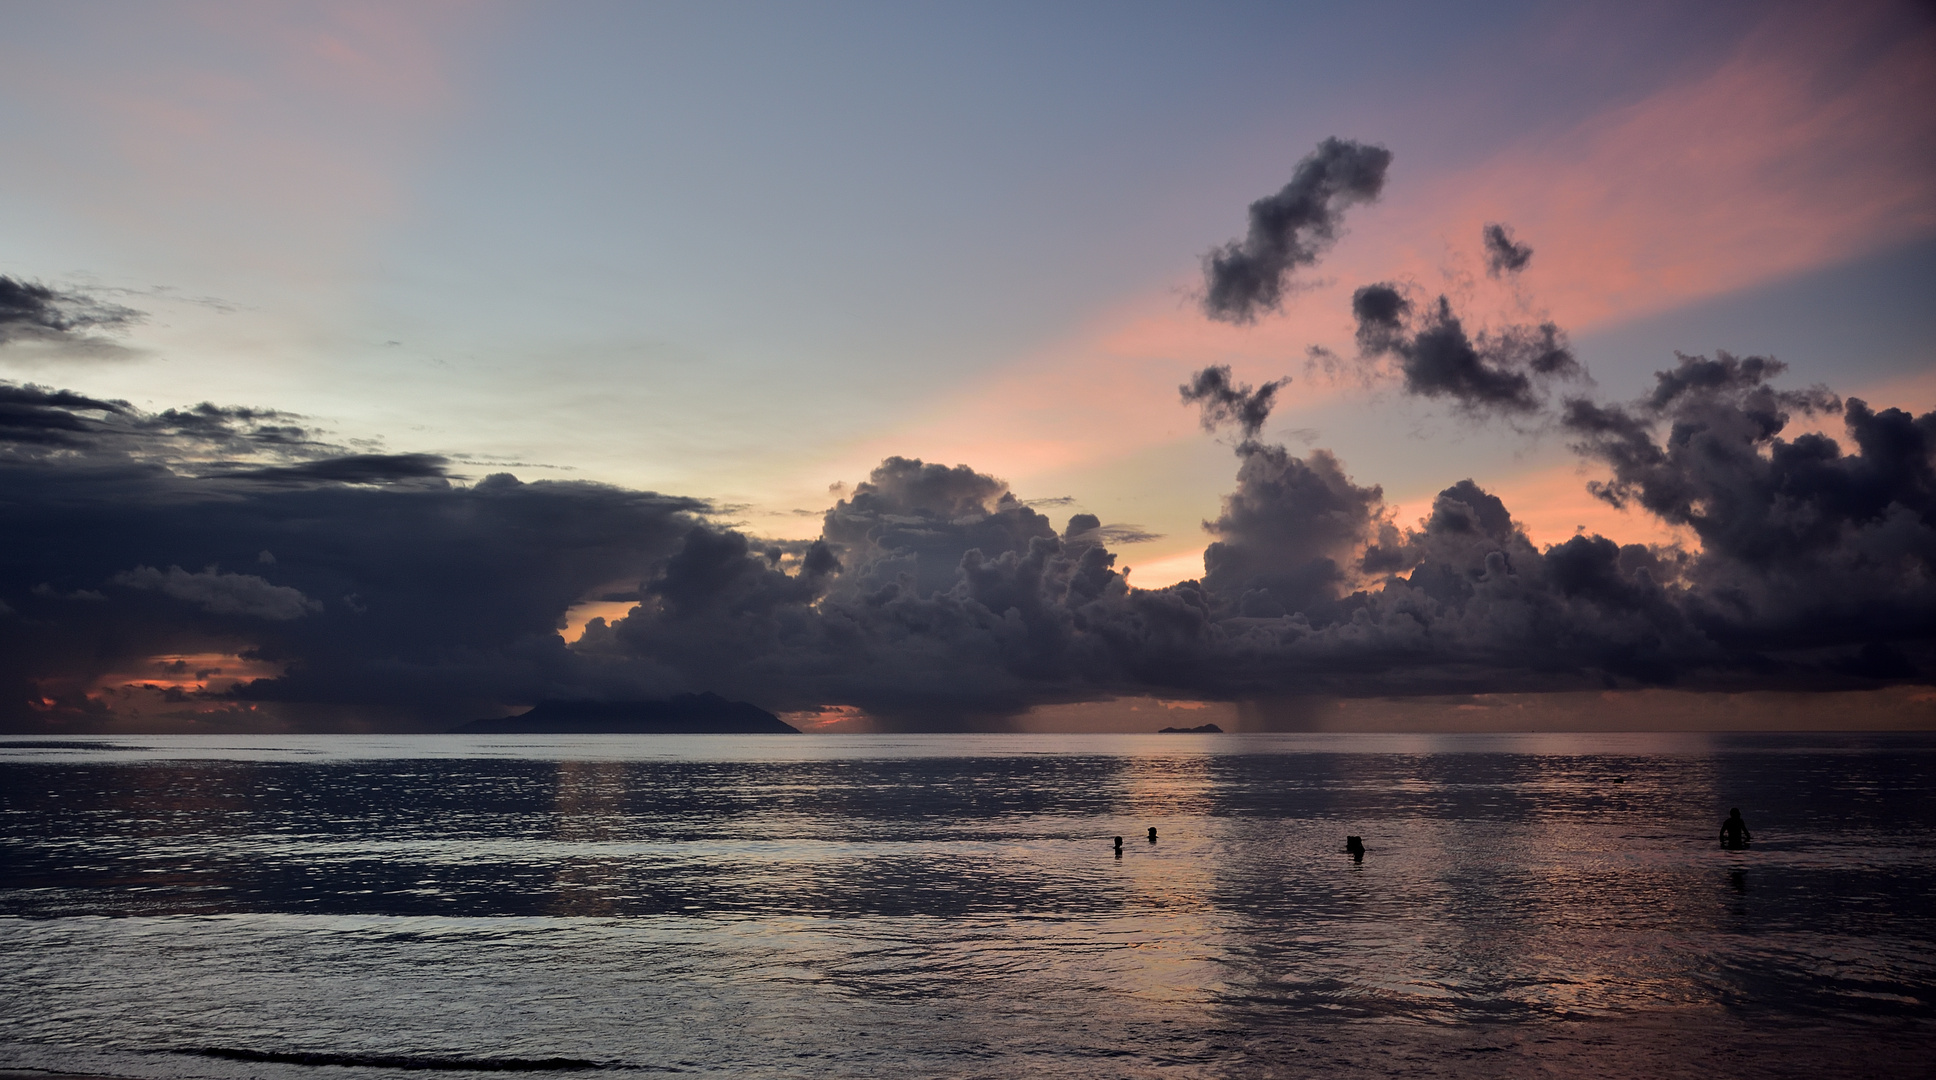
(933, 598)
(1290, 534)
(1503, 371)
(1804, 544)
(1221, 401)
(942, 602)
(1245, 278)
(221, 594)
(1504, 255)
(64, 321)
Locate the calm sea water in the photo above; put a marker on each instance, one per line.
(343, 907)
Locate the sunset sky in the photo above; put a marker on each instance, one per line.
(741, 254)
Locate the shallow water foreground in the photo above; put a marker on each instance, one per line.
(952, 906)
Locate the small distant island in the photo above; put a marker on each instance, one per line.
(686, 714)
(1206, 729)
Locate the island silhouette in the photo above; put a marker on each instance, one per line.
(1202, 729)
(684, 714)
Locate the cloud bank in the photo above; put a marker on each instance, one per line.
(933, 599)
(375, 581)
(384, 588)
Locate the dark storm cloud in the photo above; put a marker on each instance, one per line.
(1292, 228)
(953, 605)
(1804, 544)
(1310, 588)
(425, 600)
(917, 519)
(1503, 254)
(1221, 401)
(66, 320)
(1289, 533)
(34, 418)
(353, 469)
(934, 599)
(1501, 371)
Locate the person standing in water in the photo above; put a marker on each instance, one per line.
(1734, 831)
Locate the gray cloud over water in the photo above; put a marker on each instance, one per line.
(386, 589)
(932, 597)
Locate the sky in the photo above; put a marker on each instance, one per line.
(356, 358)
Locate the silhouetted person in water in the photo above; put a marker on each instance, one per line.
(1734, 831)
(1355, 847)
(1119, 847)
(1152, 834)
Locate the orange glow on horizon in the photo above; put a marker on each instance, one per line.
(831, 720)
(578, 616)
(207, 672)
(1165, 570)
(1552, 505)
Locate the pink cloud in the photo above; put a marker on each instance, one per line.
(1551, 505)
(1812, 144)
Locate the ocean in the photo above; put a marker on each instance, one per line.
(342, 907)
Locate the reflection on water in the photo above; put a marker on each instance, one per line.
(590, 796)
(953, 905)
